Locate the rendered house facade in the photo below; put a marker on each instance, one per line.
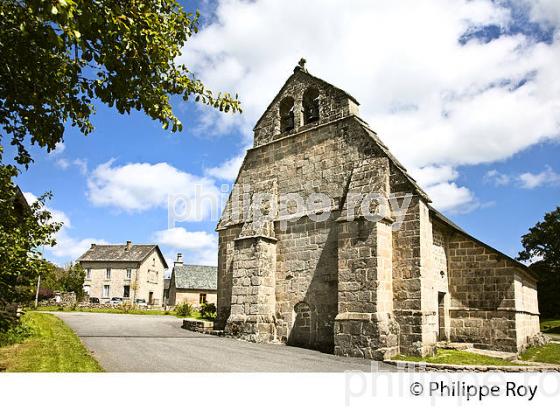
(127, 271)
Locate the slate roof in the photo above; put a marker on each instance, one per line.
(195, 277)
(119, 253)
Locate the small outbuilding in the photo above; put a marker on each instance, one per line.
(193, 284)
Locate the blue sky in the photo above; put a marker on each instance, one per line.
(466, 94)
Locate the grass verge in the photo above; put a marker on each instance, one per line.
(550, 326)
(460, 357)
(52, 347)
(549, 353)
(194, 315)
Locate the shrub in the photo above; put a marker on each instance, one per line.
(16, 334)
(126, 307)
(184, 309)
(208, 311)
(45, 294)
(8, 316)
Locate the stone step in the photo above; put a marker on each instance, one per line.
(201, 326)
(495, 354)
(454, 345)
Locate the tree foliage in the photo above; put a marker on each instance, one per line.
(22, 232)
(65, 279)
(543, 241)
(57, 56)
(542, 244)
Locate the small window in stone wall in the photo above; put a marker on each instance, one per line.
(287, 118)
(310, 106)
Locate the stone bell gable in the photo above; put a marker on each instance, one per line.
(348, 283)
(304, 101)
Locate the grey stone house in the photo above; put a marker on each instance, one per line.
(127, 271)
(193, 284)
(352, 284)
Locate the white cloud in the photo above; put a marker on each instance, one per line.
(431, 175)
(81, 164)
(67, 247)
(497, 178)
(58, 149)
(62, 163)
(180, 238)
(447, 196)
(137, 187)
(435, 102)
(526, 180)
(228, 170)
(548, 177)
(201, 247)
(545, 11)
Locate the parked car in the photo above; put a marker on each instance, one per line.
(94, 300)
(141, 303)
(116, 301)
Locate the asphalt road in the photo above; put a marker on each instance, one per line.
(145, 343)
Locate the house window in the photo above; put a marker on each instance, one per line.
(87, 288)
(287, 119)
(128, 273)
(310, 106)
(126, 291)
(202, 298)
(108, 274)
(105, 291)
(153, 261)
(88, 273)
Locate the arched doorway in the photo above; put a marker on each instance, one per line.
(303, 333)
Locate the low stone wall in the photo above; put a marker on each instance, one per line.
(201, 326)
(93, 306)
(434, 367)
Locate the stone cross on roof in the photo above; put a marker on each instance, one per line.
(301, 65)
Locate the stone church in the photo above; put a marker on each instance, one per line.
(336, 279)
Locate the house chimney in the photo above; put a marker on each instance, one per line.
(128, 245)
(179, 260)
(92, 245)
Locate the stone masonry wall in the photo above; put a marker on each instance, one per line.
(226, 248)
(253, 301)
(407, 288)
(527, 316)
(407, 284)
(483, 300)
(317, 160)
(306, 277)
(365, 326)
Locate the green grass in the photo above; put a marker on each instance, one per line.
(550, 326)
(461, 357)
(549, 353)
(194, 315)
(52, 347)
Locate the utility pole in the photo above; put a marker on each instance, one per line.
(37, 293)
